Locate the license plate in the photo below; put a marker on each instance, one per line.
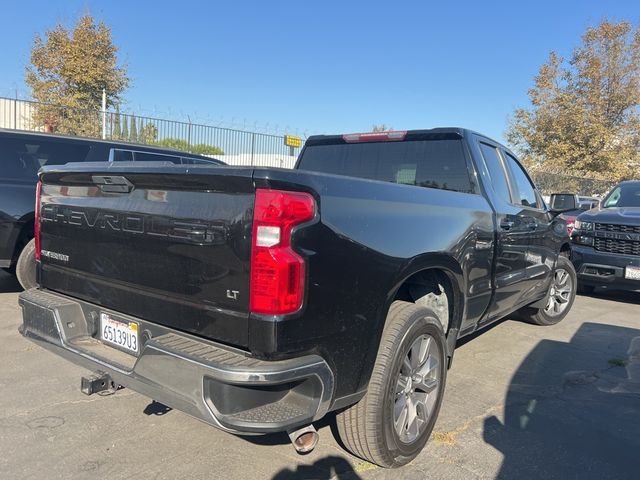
(632, 273)
(118, 332)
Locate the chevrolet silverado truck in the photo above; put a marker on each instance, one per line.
(260, 299)
(606, 241)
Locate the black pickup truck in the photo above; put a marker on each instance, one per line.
(260, 299)
(606, 241)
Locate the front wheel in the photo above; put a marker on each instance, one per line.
(393, 421)
(560, 297)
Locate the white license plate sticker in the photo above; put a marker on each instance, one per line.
(632, 273)
(120, 333)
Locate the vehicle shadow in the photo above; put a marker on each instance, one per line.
(156, 409)
(329, 467)
(572, 409)
(622, 296)
(9, 283)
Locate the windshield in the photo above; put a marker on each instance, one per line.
(624, 195)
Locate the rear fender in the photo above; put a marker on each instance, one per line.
(428, 261)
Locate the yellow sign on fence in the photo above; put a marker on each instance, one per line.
(292, 141)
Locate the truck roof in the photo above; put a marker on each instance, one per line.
(114, 143)
(430, 133)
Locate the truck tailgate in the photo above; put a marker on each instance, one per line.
(153, 242)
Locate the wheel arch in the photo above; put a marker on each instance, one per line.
(424, 264)
(425, 269)
(25, 234)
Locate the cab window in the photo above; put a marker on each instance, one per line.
(526, 192)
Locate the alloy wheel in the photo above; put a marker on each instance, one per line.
(416, 389)
(559, 293)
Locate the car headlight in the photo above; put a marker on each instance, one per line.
(583, 226)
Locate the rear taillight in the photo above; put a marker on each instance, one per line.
(36, 227)
(277, 272)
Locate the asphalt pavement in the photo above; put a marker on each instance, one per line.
(521, 402)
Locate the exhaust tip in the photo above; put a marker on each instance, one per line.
(305, 439)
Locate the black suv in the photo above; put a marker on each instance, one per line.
(606, 241)
(21, 156)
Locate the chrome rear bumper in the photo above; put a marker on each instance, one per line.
(219, 385)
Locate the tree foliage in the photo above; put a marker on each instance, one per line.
(133, 131)
(584, 117)
(148, 132)
(68, 70)
(183, 145)
(117, 129)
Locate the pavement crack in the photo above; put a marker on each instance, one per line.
(30, 411)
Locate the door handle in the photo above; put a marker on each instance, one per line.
(507, 224)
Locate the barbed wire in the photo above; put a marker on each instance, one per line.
(17, 93)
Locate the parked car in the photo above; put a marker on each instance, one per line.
(587, 203)
(572, 205)
(606, 241)
(22, 154)
(259, 299)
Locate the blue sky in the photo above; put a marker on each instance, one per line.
(322, 67)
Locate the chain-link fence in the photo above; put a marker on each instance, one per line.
(549, 183)
(233, 146)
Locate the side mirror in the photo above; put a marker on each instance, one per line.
(562, 202)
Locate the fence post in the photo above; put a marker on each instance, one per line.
(253, 146)
(104, 114)
(15, 114)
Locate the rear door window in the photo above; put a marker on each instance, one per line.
(155, 157)
(497, 173)
(527, 194)
(122, 155)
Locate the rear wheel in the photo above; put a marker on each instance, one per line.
(26, 266)
(393, 421)
(560, 297)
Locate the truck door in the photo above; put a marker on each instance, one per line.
(540, 256)
(513, 228)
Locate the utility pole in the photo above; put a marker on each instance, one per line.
(104, 114)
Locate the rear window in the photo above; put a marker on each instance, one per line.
(155, 157)
(424, 163)
(20, 159)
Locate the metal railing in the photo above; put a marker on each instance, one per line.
(549, 183)
(233, 146)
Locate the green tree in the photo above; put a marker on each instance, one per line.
(141, 132)
(68, 70)
(133, 134)
(125, 128)
(117, 129)
(149, 132)
(584, 117)
(183, 145)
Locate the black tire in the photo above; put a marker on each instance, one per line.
(367, 428)
(545, 317)
(26, 266)
(586, 289)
